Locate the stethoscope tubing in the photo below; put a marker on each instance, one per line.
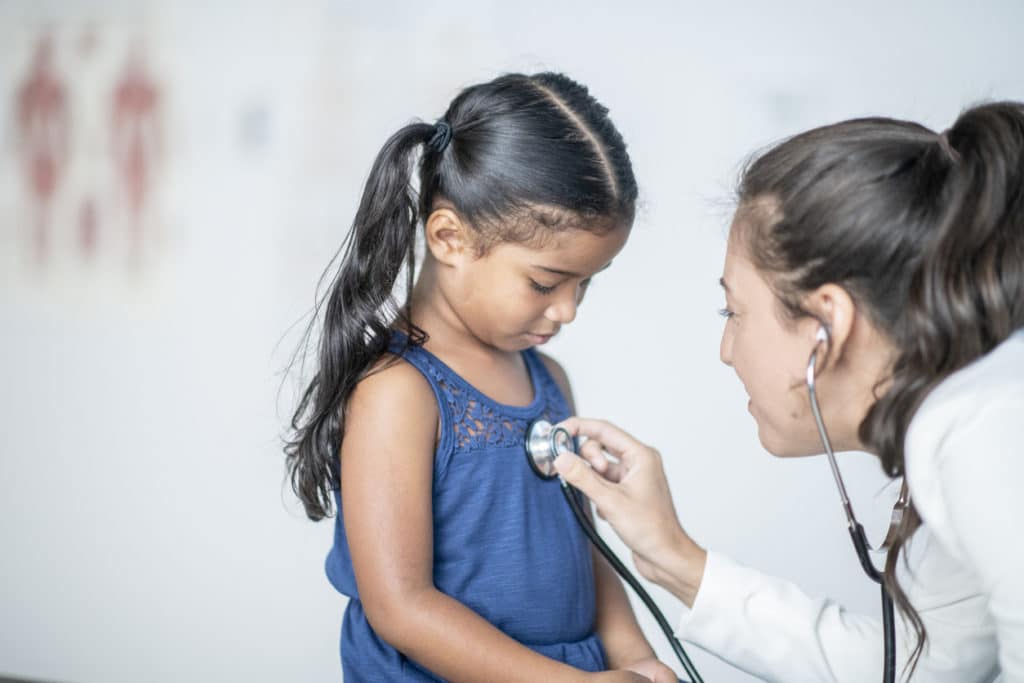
(857, 535)
(570, 494)
(546, 444)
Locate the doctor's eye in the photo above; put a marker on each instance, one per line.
(725, 313)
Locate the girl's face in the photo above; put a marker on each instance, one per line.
(769, 355)
(517, 296)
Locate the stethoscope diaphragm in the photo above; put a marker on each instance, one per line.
(544, 443)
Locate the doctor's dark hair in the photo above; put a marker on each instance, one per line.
(926, 233)
(518, 158)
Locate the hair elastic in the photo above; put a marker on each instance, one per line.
(953, 155)
(441, 137)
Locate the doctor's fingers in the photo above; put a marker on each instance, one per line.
(616, 441)
(602, 493)
(593, 451)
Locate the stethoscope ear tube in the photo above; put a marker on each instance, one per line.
(860, 544)
(860, 541)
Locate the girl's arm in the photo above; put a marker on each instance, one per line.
(386, 475)
(616, 623)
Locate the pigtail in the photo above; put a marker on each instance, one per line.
(359, 311)
(967, 294)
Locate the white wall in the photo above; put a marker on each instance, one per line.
(145, 531)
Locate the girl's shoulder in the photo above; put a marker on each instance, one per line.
(559, 375)
(393, 387)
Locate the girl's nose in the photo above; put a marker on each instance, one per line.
(563, 311)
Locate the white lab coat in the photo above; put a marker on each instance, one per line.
(965, 469)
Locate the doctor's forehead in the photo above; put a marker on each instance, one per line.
(732, 288)
(738, 273)
(730, 278)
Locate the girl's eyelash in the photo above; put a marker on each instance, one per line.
(547, 290)
(725, 313)
(541, 288)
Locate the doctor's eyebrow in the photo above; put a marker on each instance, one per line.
(722, 282)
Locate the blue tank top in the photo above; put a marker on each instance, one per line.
(506, 545)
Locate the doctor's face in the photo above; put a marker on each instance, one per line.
(769, 353)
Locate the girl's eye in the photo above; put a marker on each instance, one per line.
(541, 288)
(725, 313)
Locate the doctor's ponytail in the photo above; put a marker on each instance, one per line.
(967, 294)
(926, 233)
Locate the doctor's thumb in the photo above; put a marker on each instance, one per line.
(577, 472)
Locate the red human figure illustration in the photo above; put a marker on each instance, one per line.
(87, 227)
(135, 123)
(43, 132)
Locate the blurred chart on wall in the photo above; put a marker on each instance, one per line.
(87, 134)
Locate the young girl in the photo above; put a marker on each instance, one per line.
(459, 562)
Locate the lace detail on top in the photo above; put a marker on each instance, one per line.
(478, 424)
(476, 421)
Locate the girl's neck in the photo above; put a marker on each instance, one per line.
(433, 313)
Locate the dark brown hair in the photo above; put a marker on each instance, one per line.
(926, 233)
(518, 157)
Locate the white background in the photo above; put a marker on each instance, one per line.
(144, 530)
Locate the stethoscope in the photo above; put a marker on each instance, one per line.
(544, 443)
(860, 542)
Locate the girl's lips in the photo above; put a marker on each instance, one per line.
(539, 338)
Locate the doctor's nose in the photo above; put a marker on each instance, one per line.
(725, 347)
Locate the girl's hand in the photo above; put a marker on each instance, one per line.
(619, 677)
(654, 670)
(633, 496)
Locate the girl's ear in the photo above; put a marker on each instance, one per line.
(449, 238)
(835, 308)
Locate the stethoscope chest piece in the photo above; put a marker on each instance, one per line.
(544, 443)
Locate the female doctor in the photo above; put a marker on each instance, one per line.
(895, 255)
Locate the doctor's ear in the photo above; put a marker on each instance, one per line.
(833, 316)
(449, 238)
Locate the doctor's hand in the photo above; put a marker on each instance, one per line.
(632, 495)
